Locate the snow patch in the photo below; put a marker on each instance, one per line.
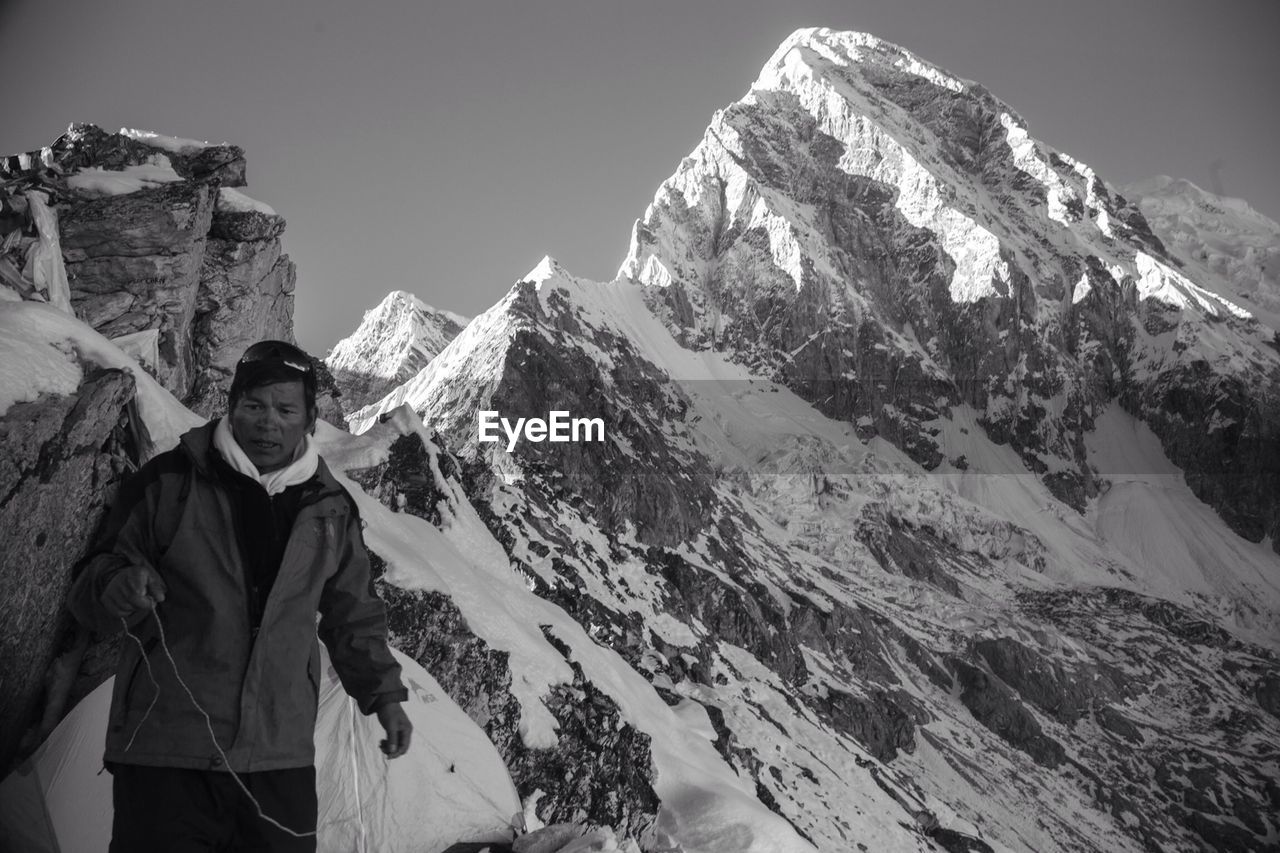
(234, 201)
(38, 349)
(174, 144)
(124, 181)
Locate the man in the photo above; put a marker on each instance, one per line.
(217, 555)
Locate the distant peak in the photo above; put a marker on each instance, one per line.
(546, 269)
(1161, 183)
(401, 302)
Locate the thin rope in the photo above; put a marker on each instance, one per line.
(208, 722)
(155, 684)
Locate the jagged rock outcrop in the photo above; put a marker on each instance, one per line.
(61, 458)
(394, 341)
(245, 295)
(133, 262)
(157, 241)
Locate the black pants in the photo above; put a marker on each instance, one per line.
(172, 810)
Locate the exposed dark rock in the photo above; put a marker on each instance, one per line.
(1190, 676)
(874, 721)
(1059, 692)
(133, 263)
(997, 707)
(56, 453)
(1235, 467)
(429, 628)
(602, 769)
(916, 554)
(406, 483)
(957, 842)
(618, 488)
(1268, 693)
(750, 619)
(1118, 724)
(248, 226)
(856, 313)
(328, 396)
(245, 295)
(87, 145)
(209, 279)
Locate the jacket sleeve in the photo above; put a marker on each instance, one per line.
(127, 538)
(353, 625)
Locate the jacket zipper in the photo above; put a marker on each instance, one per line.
(246, 566)
(252, 603)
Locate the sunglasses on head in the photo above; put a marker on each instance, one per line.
(278, 351)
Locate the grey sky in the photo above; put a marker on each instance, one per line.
(444, 148)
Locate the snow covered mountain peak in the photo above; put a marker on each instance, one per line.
(395, 340)
(933, 482)
(808, 52)
(546, 269)
(865, 221)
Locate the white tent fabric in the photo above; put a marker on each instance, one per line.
(451, 786)
(56, 801)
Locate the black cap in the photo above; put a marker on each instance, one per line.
(269, 362)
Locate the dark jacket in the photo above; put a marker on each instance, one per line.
(183, 516)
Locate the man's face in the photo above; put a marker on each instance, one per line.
(268, 422)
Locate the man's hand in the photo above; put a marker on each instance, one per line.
(398, 728)
(136, 588)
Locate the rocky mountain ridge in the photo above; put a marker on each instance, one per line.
(936, 621)
(864, 215)
(906, 474)
(162, 251)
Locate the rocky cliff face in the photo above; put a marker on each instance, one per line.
(162, 252)
(68, 450)
(395, 340)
